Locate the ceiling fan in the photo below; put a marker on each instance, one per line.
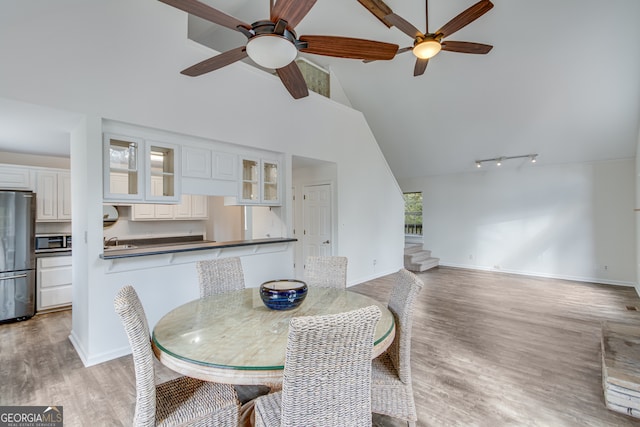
(273, 43)
(426, 45)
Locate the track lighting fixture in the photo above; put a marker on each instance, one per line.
(500, 160)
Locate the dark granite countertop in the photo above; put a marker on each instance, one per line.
(143, 249)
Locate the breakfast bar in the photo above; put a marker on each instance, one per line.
(129, 250)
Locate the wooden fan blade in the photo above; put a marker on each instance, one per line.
(291, 11)
(293, 80)
(379, 9)
(347, 47)
(204, 11)
(402, 50)
(404, 25)
(421, 65)
(466, 47)
(465, 18)
(216, 62)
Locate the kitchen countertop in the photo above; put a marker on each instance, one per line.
(167, 248)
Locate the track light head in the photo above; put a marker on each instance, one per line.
(499, 160)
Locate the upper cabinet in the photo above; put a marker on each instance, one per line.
(138, 170)
(161, 177)
(53, 200)
(16, 177)
(260, 183)
(204, 163)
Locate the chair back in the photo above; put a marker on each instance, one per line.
(401, 304)
(326, 271)
(220, 275)
(129, 308)
(327, 371)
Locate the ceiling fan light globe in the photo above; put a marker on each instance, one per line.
(271, 51)
(427, 49)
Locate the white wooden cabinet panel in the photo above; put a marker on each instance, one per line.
(199, 207)
(64, 196)
(192, 207)
(53, 196)
(196, 162)
(15, 178)
(47, 196)
(225, 166)
(142, 212)
(183, 210)
(164, 211)
(53, 282)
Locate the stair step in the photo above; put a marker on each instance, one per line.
(412, 249)
(416, 256)
(424, 265)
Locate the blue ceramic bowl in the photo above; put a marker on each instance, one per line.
(283, 294)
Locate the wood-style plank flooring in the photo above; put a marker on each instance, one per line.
(489, 349)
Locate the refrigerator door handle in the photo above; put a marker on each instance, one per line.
(19, 276)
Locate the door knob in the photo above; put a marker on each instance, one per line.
(326, 242)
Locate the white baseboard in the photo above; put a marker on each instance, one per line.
(549, 276)
(90, 360)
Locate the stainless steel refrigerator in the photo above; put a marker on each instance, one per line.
(17, 255)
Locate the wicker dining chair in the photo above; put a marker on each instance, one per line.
(326, 271)
(182, 401)
(391, 389)
(327, 373)
(220, 275)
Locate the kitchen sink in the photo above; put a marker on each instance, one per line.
(119, 247)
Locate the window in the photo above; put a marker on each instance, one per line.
(413, 214)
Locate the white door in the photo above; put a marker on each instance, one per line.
(316, 212)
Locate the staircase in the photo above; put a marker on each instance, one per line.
(417, 259)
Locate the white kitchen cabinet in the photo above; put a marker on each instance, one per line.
(16, 178)
(199, 206)
(53, 282)
(162, 172)
(53, 196)
(123, 174)
(260, 182)
(196, 162)
(140, 171)
(225, 166)
(192, 207)
(204, 163)
(141, 211)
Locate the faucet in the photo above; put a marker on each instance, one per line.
(111, 239)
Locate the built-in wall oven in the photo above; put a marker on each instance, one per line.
(53, 243)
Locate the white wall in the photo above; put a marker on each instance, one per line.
(572, 221)
(120, 60)
(637, 215)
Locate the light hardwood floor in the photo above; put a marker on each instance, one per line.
(489, 349)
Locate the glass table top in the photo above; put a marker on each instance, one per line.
(236, 331)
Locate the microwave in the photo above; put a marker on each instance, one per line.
(52, 243)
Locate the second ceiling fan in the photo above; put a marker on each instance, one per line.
(426, 45)
(273, 43)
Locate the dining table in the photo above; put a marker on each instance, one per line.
(234, 338)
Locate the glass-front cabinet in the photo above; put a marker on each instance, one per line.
(270, 187)
(162, 183)
(140, 170)
(250, 191)
(260, 182)
(122, 168)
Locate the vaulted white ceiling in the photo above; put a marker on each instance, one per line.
(562, 81)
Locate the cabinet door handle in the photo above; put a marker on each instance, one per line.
(19, 276)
